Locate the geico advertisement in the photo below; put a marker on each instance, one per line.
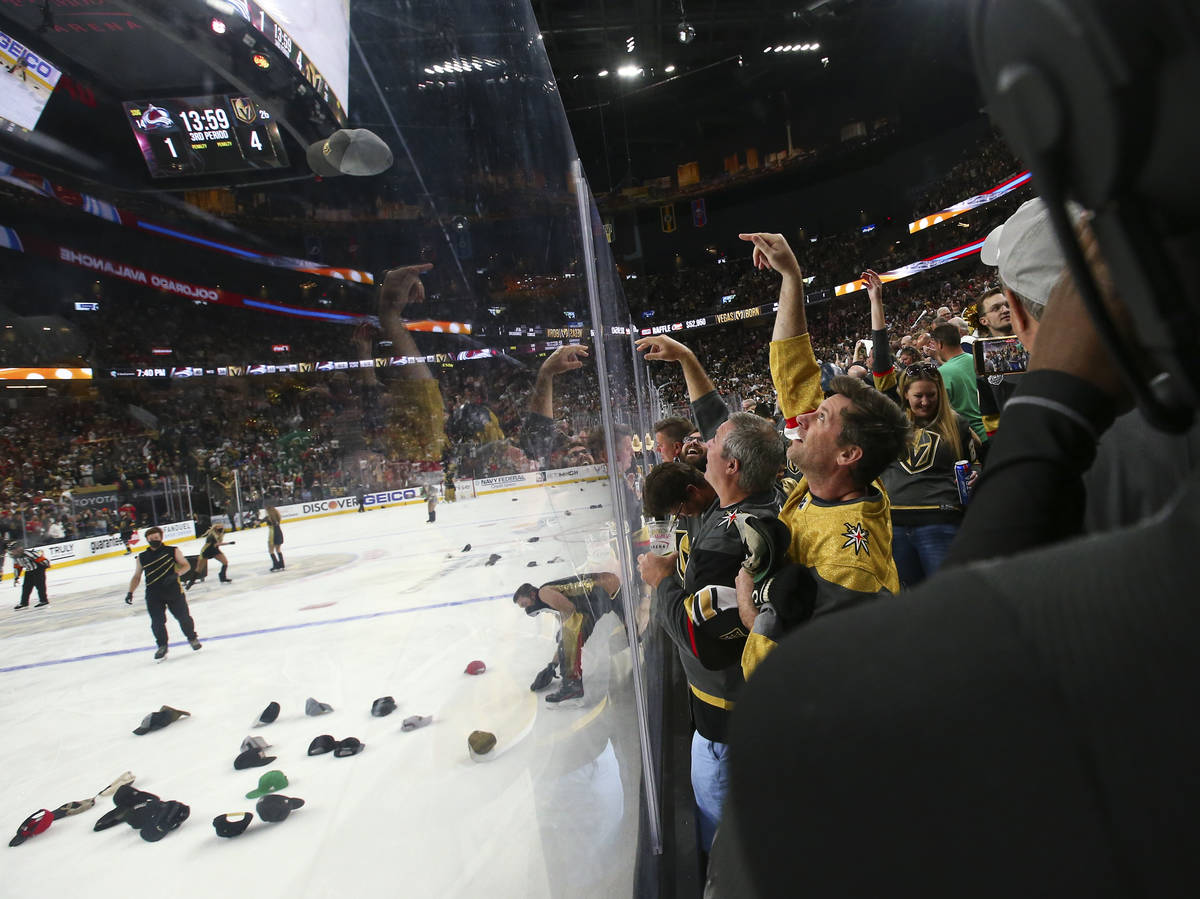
(391, 496)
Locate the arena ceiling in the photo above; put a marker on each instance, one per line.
(752, 72)
(906, 60)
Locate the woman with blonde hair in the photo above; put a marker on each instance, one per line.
(213, 541)
(921, 484)
(275, 538)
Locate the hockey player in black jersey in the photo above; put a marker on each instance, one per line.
(580, 602)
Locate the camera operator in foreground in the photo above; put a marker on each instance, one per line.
(1022, 726)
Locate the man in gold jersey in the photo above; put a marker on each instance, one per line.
(839, 516)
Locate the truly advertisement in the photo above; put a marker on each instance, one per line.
(59, 552)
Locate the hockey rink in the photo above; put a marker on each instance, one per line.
(370, 605)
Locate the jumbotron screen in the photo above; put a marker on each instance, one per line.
(314, 35)
(26, 83)
(204, 135)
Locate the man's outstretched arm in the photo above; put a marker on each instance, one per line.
(707, 406)
(566, 358)
(667, 349)
(771, 251)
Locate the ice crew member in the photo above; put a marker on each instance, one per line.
(162, 566)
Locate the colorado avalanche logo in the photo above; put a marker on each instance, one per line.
(857, 536)
(728, 518)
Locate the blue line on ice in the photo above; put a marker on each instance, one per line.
(255, 633)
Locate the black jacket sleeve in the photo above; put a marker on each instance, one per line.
(882, 358)
(537, 438)
(710, 412)
(1032, 492)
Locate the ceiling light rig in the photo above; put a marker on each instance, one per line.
(464, 65)
(793, 48)
(684, 30)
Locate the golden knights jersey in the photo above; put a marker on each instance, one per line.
(846, 547)
(921, 483)
(697, 608)
(417, 419)
(587, 595)
(592, 602)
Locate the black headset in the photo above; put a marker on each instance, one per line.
(1100, 99)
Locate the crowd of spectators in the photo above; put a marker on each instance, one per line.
(306, 438)
(981, 168)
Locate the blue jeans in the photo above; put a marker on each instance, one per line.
(920, 551)
(710, 782)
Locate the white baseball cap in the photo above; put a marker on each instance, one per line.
(1026, 251)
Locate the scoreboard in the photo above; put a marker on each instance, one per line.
(205, 135)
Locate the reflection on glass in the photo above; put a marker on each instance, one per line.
(333, 329)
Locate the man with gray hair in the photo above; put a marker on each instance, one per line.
(694, 597)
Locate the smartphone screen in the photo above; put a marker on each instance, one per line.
(1000, 356)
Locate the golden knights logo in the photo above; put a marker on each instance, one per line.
(788, 482)
(856, 536)
(244, 109)
(683, 546)
(922, 450)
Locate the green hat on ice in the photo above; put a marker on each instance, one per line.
(271, 782)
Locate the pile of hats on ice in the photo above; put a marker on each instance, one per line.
(153, 817)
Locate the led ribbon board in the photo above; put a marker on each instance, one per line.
(1004, 187)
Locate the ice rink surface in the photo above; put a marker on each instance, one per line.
(372, 604)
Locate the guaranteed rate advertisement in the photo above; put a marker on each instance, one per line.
(205, 135)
